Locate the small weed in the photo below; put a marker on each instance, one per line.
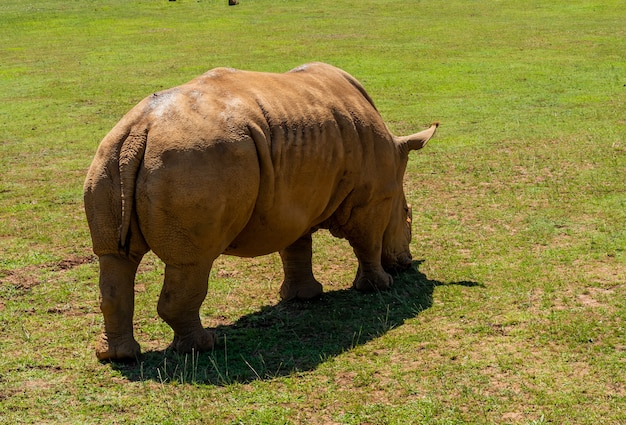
(541, 420)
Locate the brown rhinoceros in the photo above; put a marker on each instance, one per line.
(243, 163)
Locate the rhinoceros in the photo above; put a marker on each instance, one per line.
(243, 163)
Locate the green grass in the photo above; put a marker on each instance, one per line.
(514, 312)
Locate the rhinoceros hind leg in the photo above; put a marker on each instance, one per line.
(183, 292)
(299, 281)
(117, 302)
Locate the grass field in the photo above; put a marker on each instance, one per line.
(515, 309)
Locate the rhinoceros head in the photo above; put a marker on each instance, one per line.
(397, 237)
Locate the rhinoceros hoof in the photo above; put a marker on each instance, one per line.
(373, 282)
(127, 350)
(202, 340)
(300, 290)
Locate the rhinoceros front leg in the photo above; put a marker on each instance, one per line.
(183, 292)
(117, 302)
(367, 245)
(371, 277)
(299, 282)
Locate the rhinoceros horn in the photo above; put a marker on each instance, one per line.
(418, 140)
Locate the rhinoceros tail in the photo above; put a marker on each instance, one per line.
(131, 155)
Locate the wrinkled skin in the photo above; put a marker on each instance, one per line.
(246, 164)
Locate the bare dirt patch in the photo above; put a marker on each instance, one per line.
(27, 277)
(587, 300)
(609, 273)
(24, 278)
(73, 261)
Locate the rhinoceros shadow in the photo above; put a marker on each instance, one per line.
(293, 336)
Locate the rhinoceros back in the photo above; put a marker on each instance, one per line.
(322, 147)
(279, 154)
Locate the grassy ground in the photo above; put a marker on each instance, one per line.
(514, 311)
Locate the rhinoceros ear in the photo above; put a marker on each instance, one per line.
(418, 140)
